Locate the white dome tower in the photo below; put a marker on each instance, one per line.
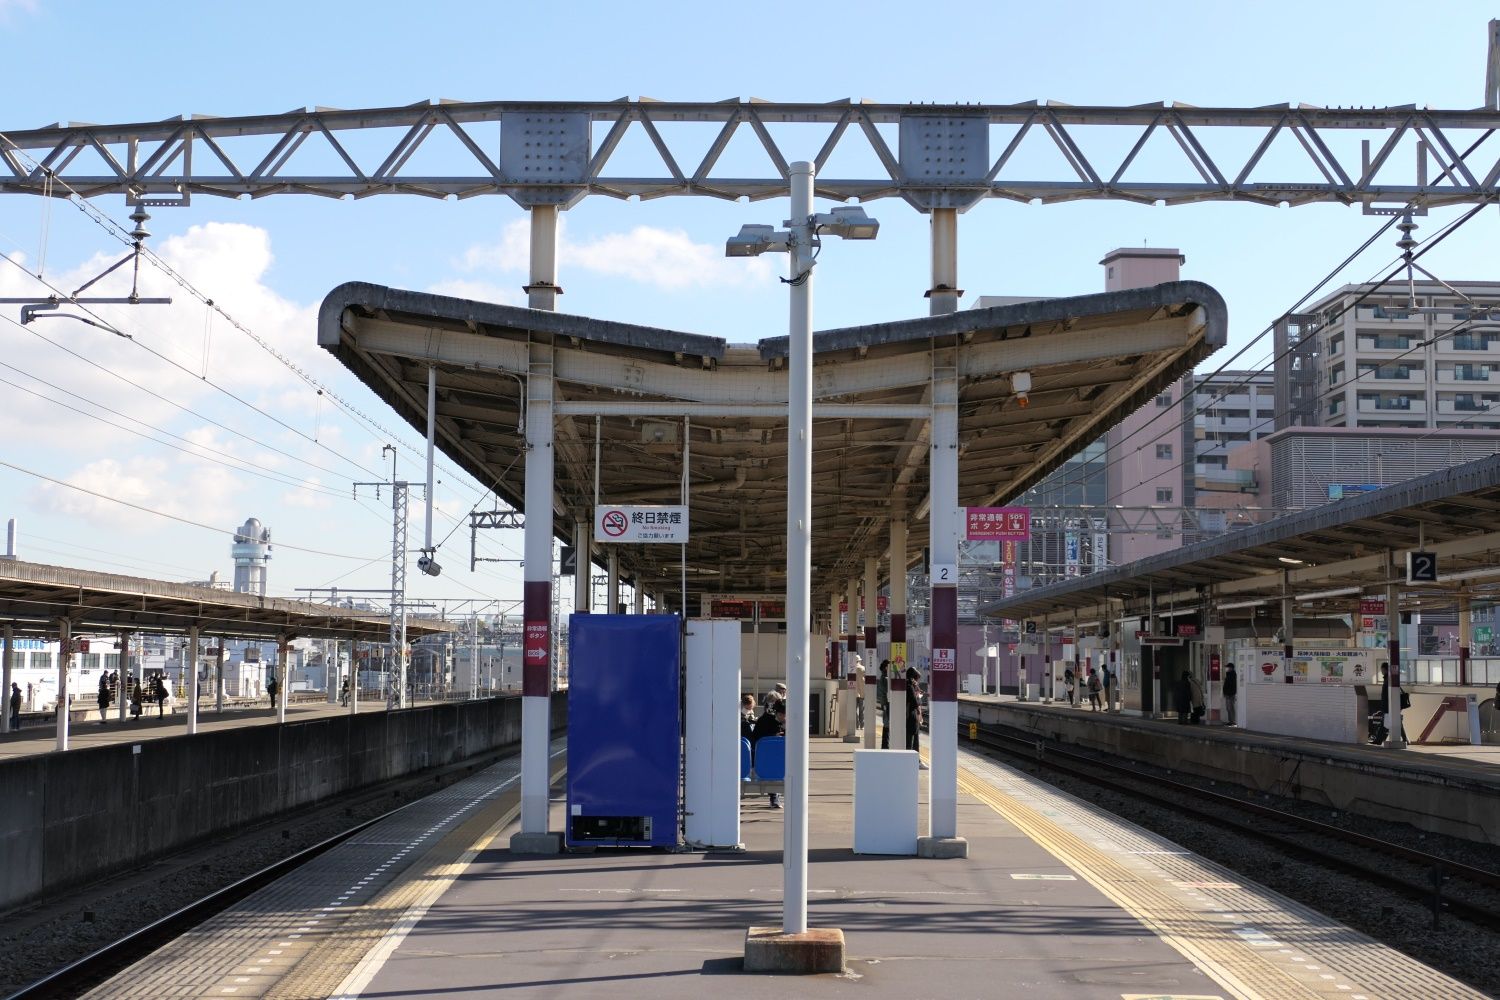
(252, 550)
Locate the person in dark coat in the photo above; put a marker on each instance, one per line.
(1231, 694)
(747, 717)
(883, 699)
(104, 700)
(913, 709)
(771, 723)
(1184, 699)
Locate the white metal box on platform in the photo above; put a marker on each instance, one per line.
(885, 802)
(712, 738)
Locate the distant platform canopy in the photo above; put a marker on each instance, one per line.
(33, 597)
(635, 406)
(1324, 557)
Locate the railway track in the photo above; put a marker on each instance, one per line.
(82, 974)
(1428, 878)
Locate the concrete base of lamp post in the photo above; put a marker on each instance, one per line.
(942, 847)
(536, 843)
(816, 950)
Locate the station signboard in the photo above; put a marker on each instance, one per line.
(1011, 524)
(637, 524)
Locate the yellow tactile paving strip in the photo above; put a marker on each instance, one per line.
(1256, 943)
(301, 937)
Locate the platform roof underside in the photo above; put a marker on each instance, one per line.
(1092, 360)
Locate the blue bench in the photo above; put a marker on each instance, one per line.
(769, 771)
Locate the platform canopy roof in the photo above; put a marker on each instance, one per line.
(634, 403)
(1326, 557)
(33, 597)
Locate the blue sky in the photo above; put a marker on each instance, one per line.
(269, 262)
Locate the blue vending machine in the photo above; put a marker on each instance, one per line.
(624, 730)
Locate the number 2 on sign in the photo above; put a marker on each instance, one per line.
(945, 573)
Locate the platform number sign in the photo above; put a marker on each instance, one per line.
(1421, 567)
(1030, 627)
(569, 561)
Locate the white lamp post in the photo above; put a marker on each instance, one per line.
(801, 241)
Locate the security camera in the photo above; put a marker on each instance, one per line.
(429, 565)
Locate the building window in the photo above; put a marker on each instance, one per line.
(1163, 451)
(1164, 496)
(1164, 400)
(1165, 532)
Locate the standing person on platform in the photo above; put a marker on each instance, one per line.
(913, 709)
(1106, 681)
(159, 692)
(859, 693)
(137, 699)
(104, 699)
(768, 702)
(15, 706)
(1199, 707)
(1183, 691)
(1231, 694)
(272, 687)
(883, 700)
(772, 722)
(1094, 687)
(1069, 682)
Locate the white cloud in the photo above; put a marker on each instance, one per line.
(664, 258)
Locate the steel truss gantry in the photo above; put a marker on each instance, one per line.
(933, 156)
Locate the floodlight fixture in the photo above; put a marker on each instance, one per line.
(848, 221)
(753, 241)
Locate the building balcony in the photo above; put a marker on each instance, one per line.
(1394, 407)
(1471, 375)
(1464, 408)
(1387, 344)
(1470, 344)
(1392, 374)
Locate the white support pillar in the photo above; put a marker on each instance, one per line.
(613, 582)
(1395, 735)
(122, 688)
(354, 677)
(283, 656)
(64, 658)
(848, 693)
(190, 677)
(896, 686)
(798, 547)
(537, 643)
(640, 597)
(872, 651)
(943, 296)
(542, 290)
(5, 673)
(1465, 635)
(583, 571)
(943, 519)
(835, 656)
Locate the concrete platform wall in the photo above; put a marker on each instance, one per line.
(68, 818)
(1428, 797)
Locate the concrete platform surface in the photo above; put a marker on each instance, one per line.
(1055, 900)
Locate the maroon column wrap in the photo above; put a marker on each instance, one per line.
(1393, 651)
(872, 640)
(944, 686)
(898, 634)
(836, 660)
(872, 668)
(536, 649)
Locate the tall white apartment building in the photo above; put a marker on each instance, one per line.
(1385, 358)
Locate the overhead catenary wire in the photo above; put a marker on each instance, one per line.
(161, 513)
